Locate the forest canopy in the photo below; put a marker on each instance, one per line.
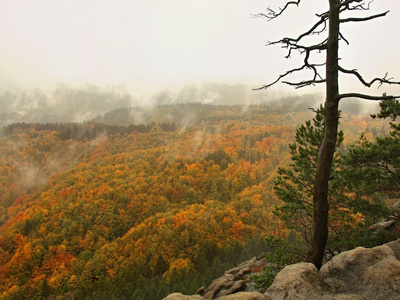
(140, 214)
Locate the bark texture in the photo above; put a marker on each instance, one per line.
(327, 150)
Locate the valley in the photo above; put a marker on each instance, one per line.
(118, 211)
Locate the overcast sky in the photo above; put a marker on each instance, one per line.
(153, 43)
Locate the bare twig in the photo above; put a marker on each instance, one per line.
(280, 77)
(343, 38)
(272, 14)
(359, 6)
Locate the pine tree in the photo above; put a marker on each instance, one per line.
(294, 186)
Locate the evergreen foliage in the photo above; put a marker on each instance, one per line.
(361, 181)
(294, 186)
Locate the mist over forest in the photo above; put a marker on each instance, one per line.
(65, 103)
(148, 147)
(109, 194)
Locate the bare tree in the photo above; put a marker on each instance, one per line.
(329, 23)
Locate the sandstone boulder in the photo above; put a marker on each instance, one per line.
(357, 274)
(372, 273)
(236, 296)
(299, 281)
(245, 296)
(231, 285)
(234, 280)
(180, 296)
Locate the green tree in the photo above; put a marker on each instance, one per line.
(349, 216)
(330, 20)
(370, 176)
(294, 185)
(377, 163)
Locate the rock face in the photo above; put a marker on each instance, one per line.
(372, 273)
(179, 296)
(236, 296)
(245, 296)
(299, 281)
(233, 285)
(359, 274)
(234, 280)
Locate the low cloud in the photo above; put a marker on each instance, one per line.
(65, 103)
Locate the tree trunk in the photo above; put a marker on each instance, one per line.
(327, 150)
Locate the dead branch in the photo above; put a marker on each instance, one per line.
(317, 78)
(343, 38)
(348, 2)
(367, 97)
(293, 44)
(311, 31)
(272, 14)
(359, 6)
(280, 77)
(383, 80)
(364, 19)
(304, 83)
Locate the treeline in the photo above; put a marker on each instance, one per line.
(181, 113)
(195, 114)
(165, 117)
(88, 130)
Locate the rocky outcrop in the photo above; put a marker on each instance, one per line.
(234, 280)
(179, 296)
(299, 281)
(245, 296)
(357, 274)
(388, 222)
(372, 273)
(236, 296)
(235, 284)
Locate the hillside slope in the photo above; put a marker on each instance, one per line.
(139, 215)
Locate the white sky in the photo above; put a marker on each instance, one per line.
(153, 43)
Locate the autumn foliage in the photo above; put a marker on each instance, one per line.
(140, 214)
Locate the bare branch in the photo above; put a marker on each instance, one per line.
(287, 43)
(347, 2)
(304, 83)
(312, 30)
(364, 19)
(292, 44)
(383, 80)
(280, 77)
(343, 38)
(360, 6)
(272, 14)
(368, 97)
(306, 65)
(315, 80)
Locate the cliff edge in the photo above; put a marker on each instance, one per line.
(358, 274)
